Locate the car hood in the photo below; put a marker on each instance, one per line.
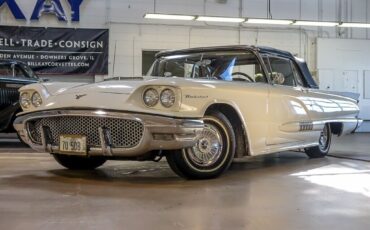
(121, 86)
(122, 95)
(115, 87)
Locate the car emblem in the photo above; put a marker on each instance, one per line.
(80, 96)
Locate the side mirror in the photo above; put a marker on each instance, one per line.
(277, 78)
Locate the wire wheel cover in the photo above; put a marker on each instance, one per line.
(208, 148)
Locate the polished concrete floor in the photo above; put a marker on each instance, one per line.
(278, 191)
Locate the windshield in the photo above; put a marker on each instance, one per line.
(225, 65)
(29, 72)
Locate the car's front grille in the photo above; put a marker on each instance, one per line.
(124, 133)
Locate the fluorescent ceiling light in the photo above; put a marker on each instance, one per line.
(315, 23)
(269, 21)
(355, 25)
(219, 19)
(170, 17)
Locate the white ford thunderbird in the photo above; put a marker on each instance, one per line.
(200, 108)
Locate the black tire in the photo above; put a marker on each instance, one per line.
(79, 163)
(324, 144)
(187, 164)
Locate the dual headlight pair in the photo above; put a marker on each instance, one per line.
(28, 98)
(167, 97)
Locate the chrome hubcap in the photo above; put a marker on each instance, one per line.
(323, 141)
(208, 148)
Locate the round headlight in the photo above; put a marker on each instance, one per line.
(36, 99)
(151, 97)
(25, 100)
(168, 98)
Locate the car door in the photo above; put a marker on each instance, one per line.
(289, 119)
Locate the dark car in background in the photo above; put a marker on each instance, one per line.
(13, 75)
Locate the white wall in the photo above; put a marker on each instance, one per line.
(130, 33)
(344, 65)
(130, 40)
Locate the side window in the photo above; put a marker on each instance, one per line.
(297, 74)
(6, 71)
(248, 68)
(282, 72)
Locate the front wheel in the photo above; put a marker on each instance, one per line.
(78, 162)
(324, 144)
(212, 154)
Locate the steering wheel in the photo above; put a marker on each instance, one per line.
(248, 78)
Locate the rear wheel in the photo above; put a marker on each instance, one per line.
(212, 154)
(78, 162)
(324, 144)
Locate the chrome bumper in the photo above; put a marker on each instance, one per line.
(160, 133)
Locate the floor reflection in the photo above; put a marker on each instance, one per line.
(343, 176)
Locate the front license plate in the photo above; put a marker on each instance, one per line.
(72, 144)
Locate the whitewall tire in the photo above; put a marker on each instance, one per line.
(212, 154)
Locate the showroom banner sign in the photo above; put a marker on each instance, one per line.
(63, 51)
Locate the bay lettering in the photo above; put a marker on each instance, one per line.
(53, 7)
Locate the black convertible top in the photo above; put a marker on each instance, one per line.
(309, 81)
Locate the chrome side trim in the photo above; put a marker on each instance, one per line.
(183, 131)
(305, 126)
(349, 125)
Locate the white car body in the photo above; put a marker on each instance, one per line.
(273, 116)
(213, 114)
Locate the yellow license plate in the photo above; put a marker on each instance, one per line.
(72, 144)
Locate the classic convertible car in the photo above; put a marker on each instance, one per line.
(13, 75)
(200, 108)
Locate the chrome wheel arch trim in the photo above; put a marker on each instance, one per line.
(248, 147)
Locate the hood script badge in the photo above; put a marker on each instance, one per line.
(80, 96)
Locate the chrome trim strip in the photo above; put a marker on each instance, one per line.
(341, 120)
(317, 125)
